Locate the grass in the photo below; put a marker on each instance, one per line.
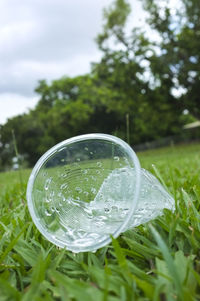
(159, 260)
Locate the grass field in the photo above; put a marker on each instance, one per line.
(159, 260)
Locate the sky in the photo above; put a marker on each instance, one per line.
(46, 40)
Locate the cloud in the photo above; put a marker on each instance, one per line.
(41, 39)
(22, 76)
(14, 104)
(45, 40)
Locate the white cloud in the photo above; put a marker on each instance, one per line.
(14, 104)
(44, 39)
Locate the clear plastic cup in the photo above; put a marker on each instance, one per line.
(87, 188)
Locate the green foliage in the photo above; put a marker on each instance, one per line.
(141, 78)
(178, 63)
(159, 260)
(115, 19)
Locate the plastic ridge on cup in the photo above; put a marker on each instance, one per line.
(89, 187)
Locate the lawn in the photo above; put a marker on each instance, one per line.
(159, 260)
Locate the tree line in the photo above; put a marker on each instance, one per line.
(141, 89)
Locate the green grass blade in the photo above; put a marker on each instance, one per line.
(12, 244)
(169, 261)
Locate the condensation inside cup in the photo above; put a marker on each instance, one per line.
(83, 192)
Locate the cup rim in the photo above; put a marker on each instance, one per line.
(59, 147)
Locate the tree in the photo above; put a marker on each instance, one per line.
(178, 61)
(124, 69)
(75, 106)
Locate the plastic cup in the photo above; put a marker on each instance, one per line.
(89, 187)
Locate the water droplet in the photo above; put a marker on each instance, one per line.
(93, 178)
(94, 235)
(99, 224)
(102, 218)
(100, 196)
(81, 234)
(64, 175)
(99, 164)
(86, 148)
(89, 215)
(93, 190)
(63, 186)
(47, 183)
(49, 198)
(52, 209)
(78, 189)
(47, 213)
(114, 208)
(91, 153)
(126, 160)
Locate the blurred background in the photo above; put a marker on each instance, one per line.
(127, 68)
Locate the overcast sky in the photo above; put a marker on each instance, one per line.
(46, 40)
